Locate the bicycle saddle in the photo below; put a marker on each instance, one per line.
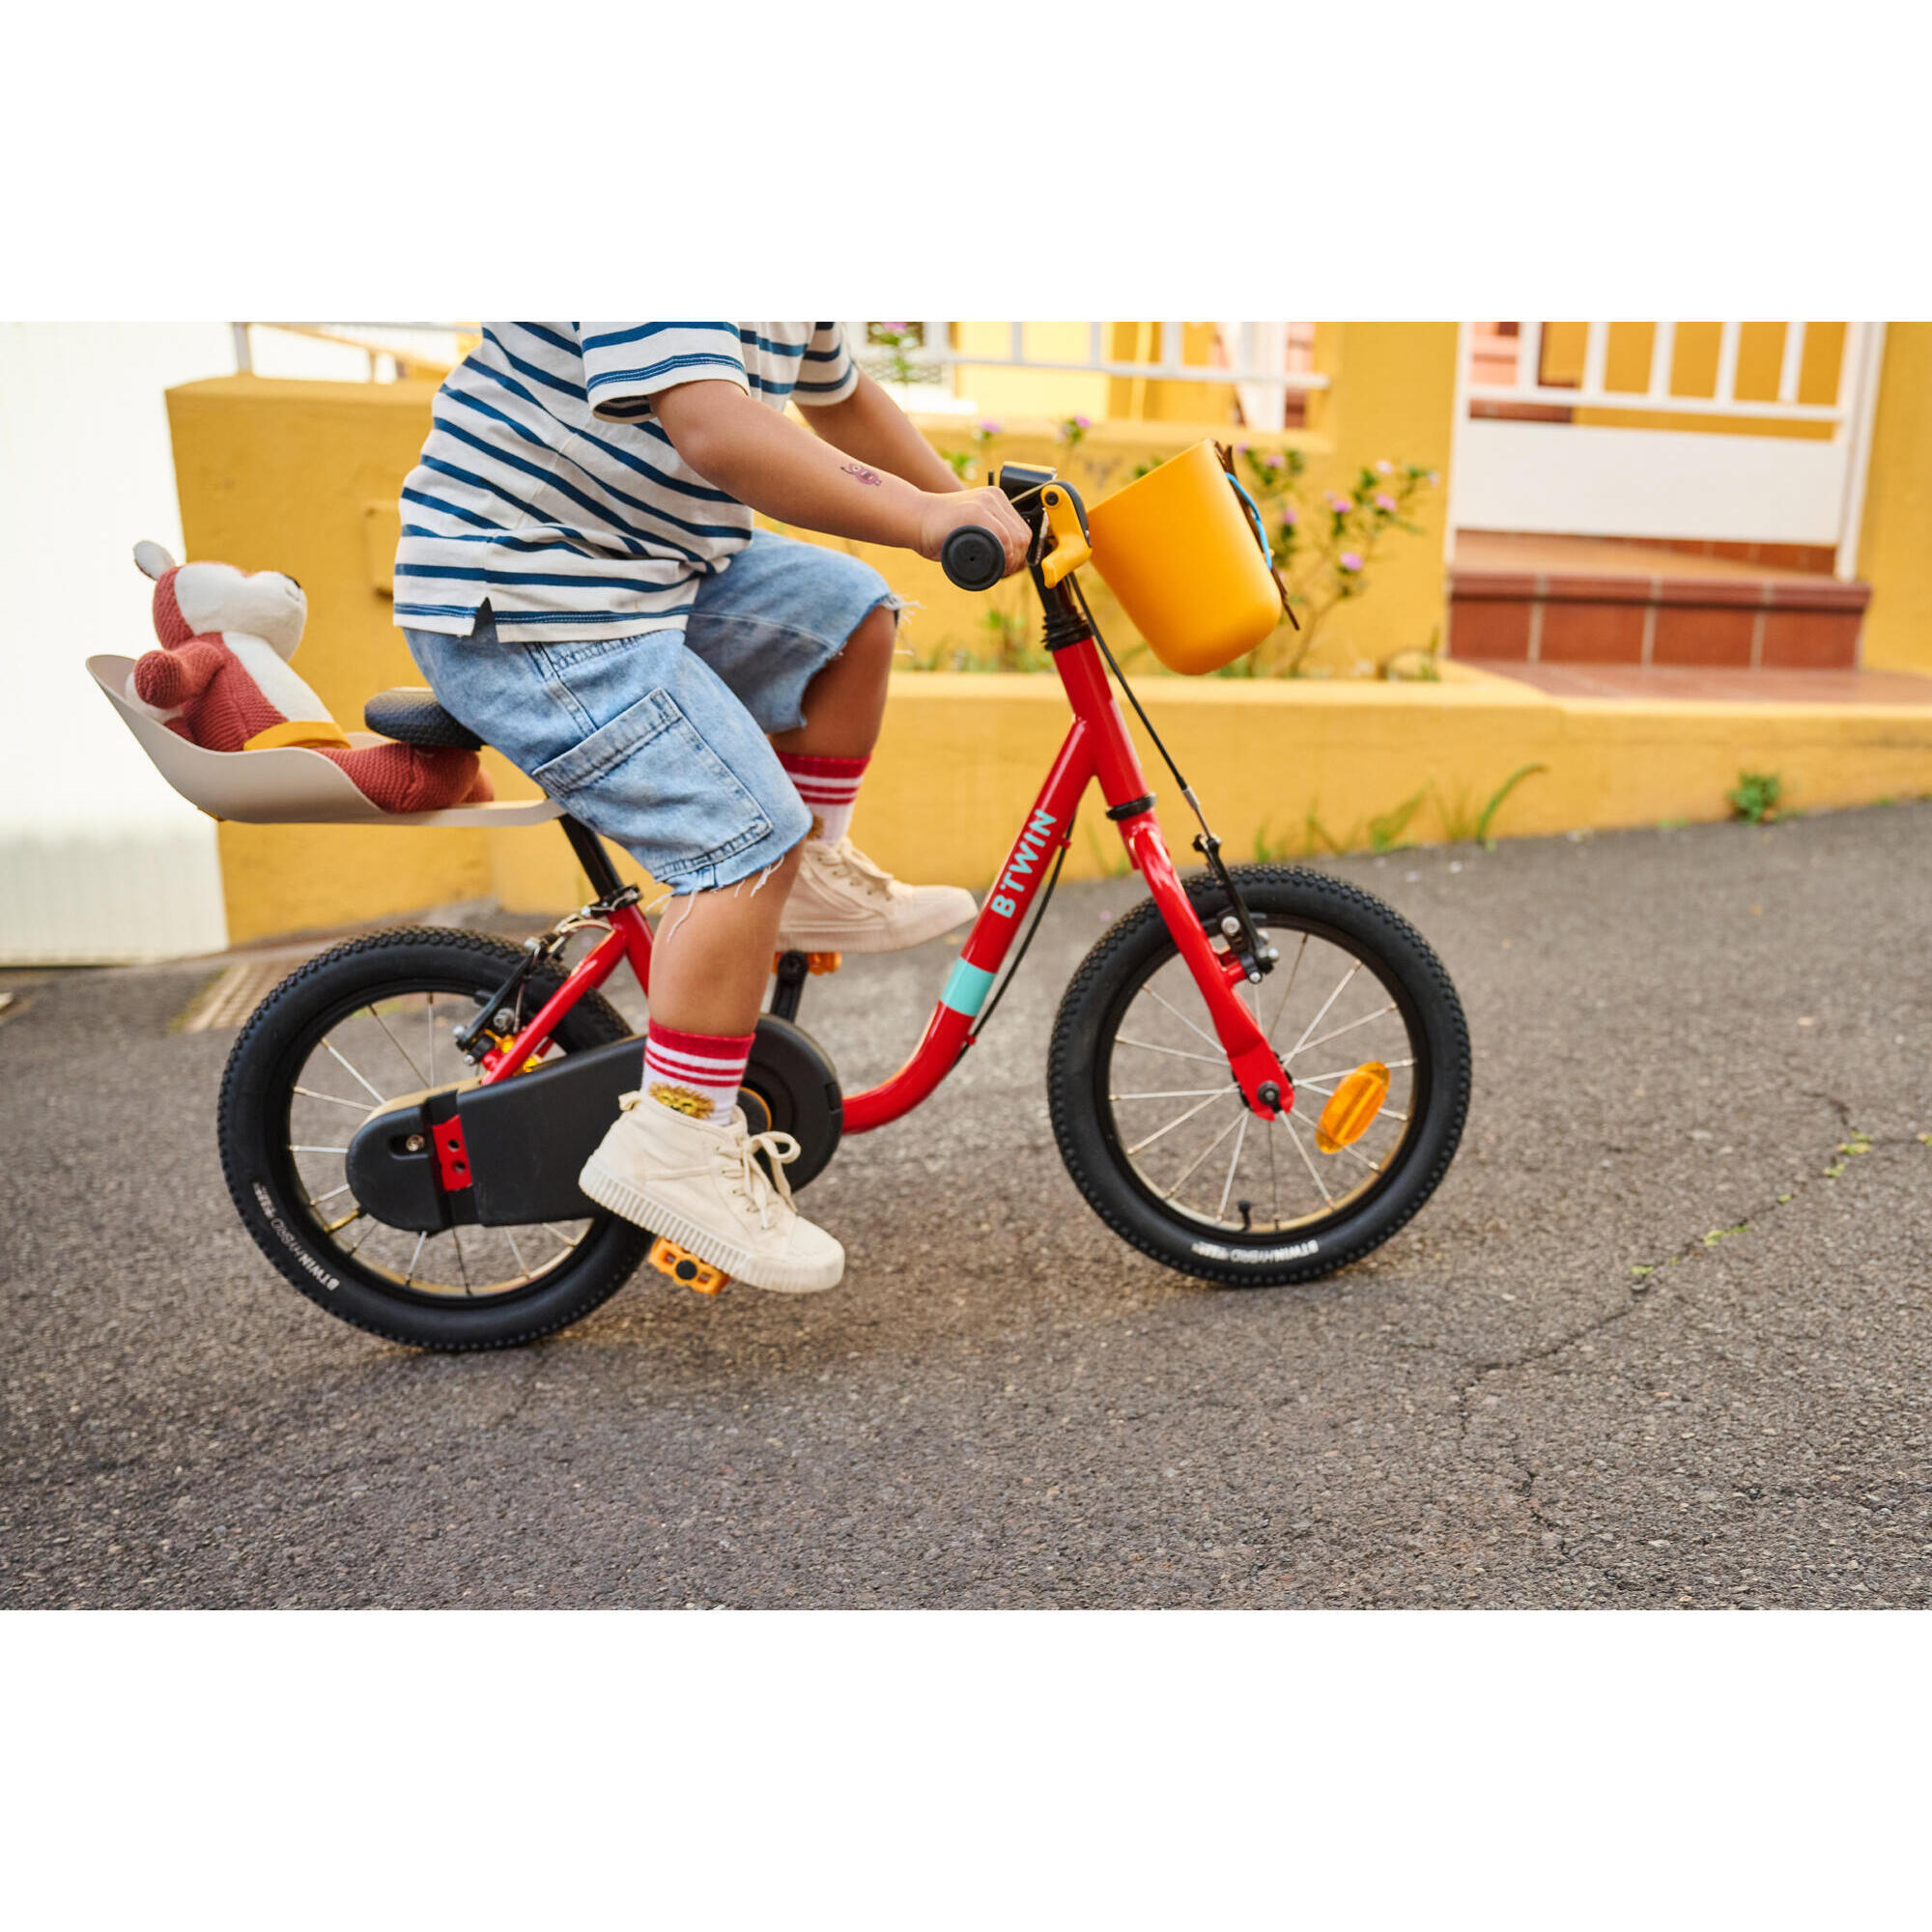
(411, 716)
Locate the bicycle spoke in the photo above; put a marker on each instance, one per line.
(398, 1045)
(1290, 987)
(429, 1014)
(315, 1201)
(1170, 1094)
(1180, 1053)
(1183, 1119)
(1309, 1079)
(1350, 1027)
(379, 1099)
(296, 1149)
(1274, 1180)
(416, 1257)
(510, 1234)
(1229, 1188)
(461, 1267)
(1314, 1172)
(1354, 969)
(1355, 1153)
(334, 1100)
(1182, 1018)
(1188, 1171)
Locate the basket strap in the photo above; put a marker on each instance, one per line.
(1227, 457)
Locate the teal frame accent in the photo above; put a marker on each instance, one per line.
(966, 988)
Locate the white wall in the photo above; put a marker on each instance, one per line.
(99, 859)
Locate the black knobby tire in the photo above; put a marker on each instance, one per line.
(1357, 925)
(254, 1123)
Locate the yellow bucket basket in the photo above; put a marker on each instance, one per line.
(1178, 550)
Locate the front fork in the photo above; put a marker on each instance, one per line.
(1264, 1081)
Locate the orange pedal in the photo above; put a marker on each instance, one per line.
(700, 1277)
(818, 962)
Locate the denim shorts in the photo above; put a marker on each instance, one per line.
(657, 741)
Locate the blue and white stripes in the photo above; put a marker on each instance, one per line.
(547, 487)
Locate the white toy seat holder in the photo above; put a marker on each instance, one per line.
(289, 786)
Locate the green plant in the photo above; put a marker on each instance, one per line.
(1497, 797)
(1271, 851)
(1386, 828)
(969, 463)
(1754, 798)
(1325, 552)
(899, 340)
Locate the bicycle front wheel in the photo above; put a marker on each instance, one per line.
(1154, 1128)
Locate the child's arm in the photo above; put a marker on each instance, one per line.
(774, 466)
(869, 425)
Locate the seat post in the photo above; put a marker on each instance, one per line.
(592, 857)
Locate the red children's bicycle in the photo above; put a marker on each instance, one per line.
(1257, 1077)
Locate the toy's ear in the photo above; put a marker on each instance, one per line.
(152, 560)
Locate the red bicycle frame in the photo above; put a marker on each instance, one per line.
(1097, 746)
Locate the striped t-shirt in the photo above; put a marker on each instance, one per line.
(548, 488)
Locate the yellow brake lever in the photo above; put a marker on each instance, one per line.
(1070, 546)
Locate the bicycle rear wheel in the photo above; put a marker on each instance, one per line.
(1154, 1128)
(348, 1035)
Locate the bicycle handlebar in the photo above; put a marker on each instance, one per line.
(973, 557)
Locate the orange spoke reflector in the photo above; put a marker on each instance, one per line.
(1353, 1107)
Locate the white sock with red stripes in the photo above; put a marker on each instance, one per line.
(694, 1073)
(829, 787)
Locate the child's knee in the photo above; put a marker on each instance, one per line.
(873, 642)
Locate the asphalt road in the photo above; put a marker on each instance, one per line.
(1676, 1034)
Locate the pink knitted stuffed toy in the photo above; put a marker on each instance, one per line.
(221, 679)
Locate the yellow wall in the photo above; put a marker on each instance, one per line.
(1895, 539)
(1002, 394)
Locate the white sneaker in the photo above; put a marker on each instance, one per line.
(699, 1184)
(841, 902)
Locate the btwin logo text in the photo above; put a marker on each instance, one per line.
(1027, 854)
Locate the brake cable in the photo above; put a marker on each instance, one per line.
(1254, 958)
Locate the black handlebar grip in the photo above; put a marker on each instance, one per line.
(973, 558)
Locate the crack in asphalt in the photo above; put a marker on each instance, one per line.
(1523, 1483)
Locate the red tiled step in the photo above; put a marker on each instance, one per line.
(1588, 600)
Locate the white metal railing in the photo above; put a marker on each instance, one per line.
(1262, 361)
(384, 345)
(1537, 470)
(1266, 362)
(1592, 395)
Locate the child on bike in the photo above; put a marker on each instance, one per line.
(580, 581)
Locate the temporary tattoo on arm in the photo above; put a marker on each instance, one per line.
(870, 478)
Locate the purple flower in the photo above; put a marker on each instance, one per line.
(1341, 505)
(1289, 516)
(1384, 502)
(892, 328)
(1435, 477)
(1386, 467)
(1082, 422)
(1350, 560)
(1241, 450)
(989, 427)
